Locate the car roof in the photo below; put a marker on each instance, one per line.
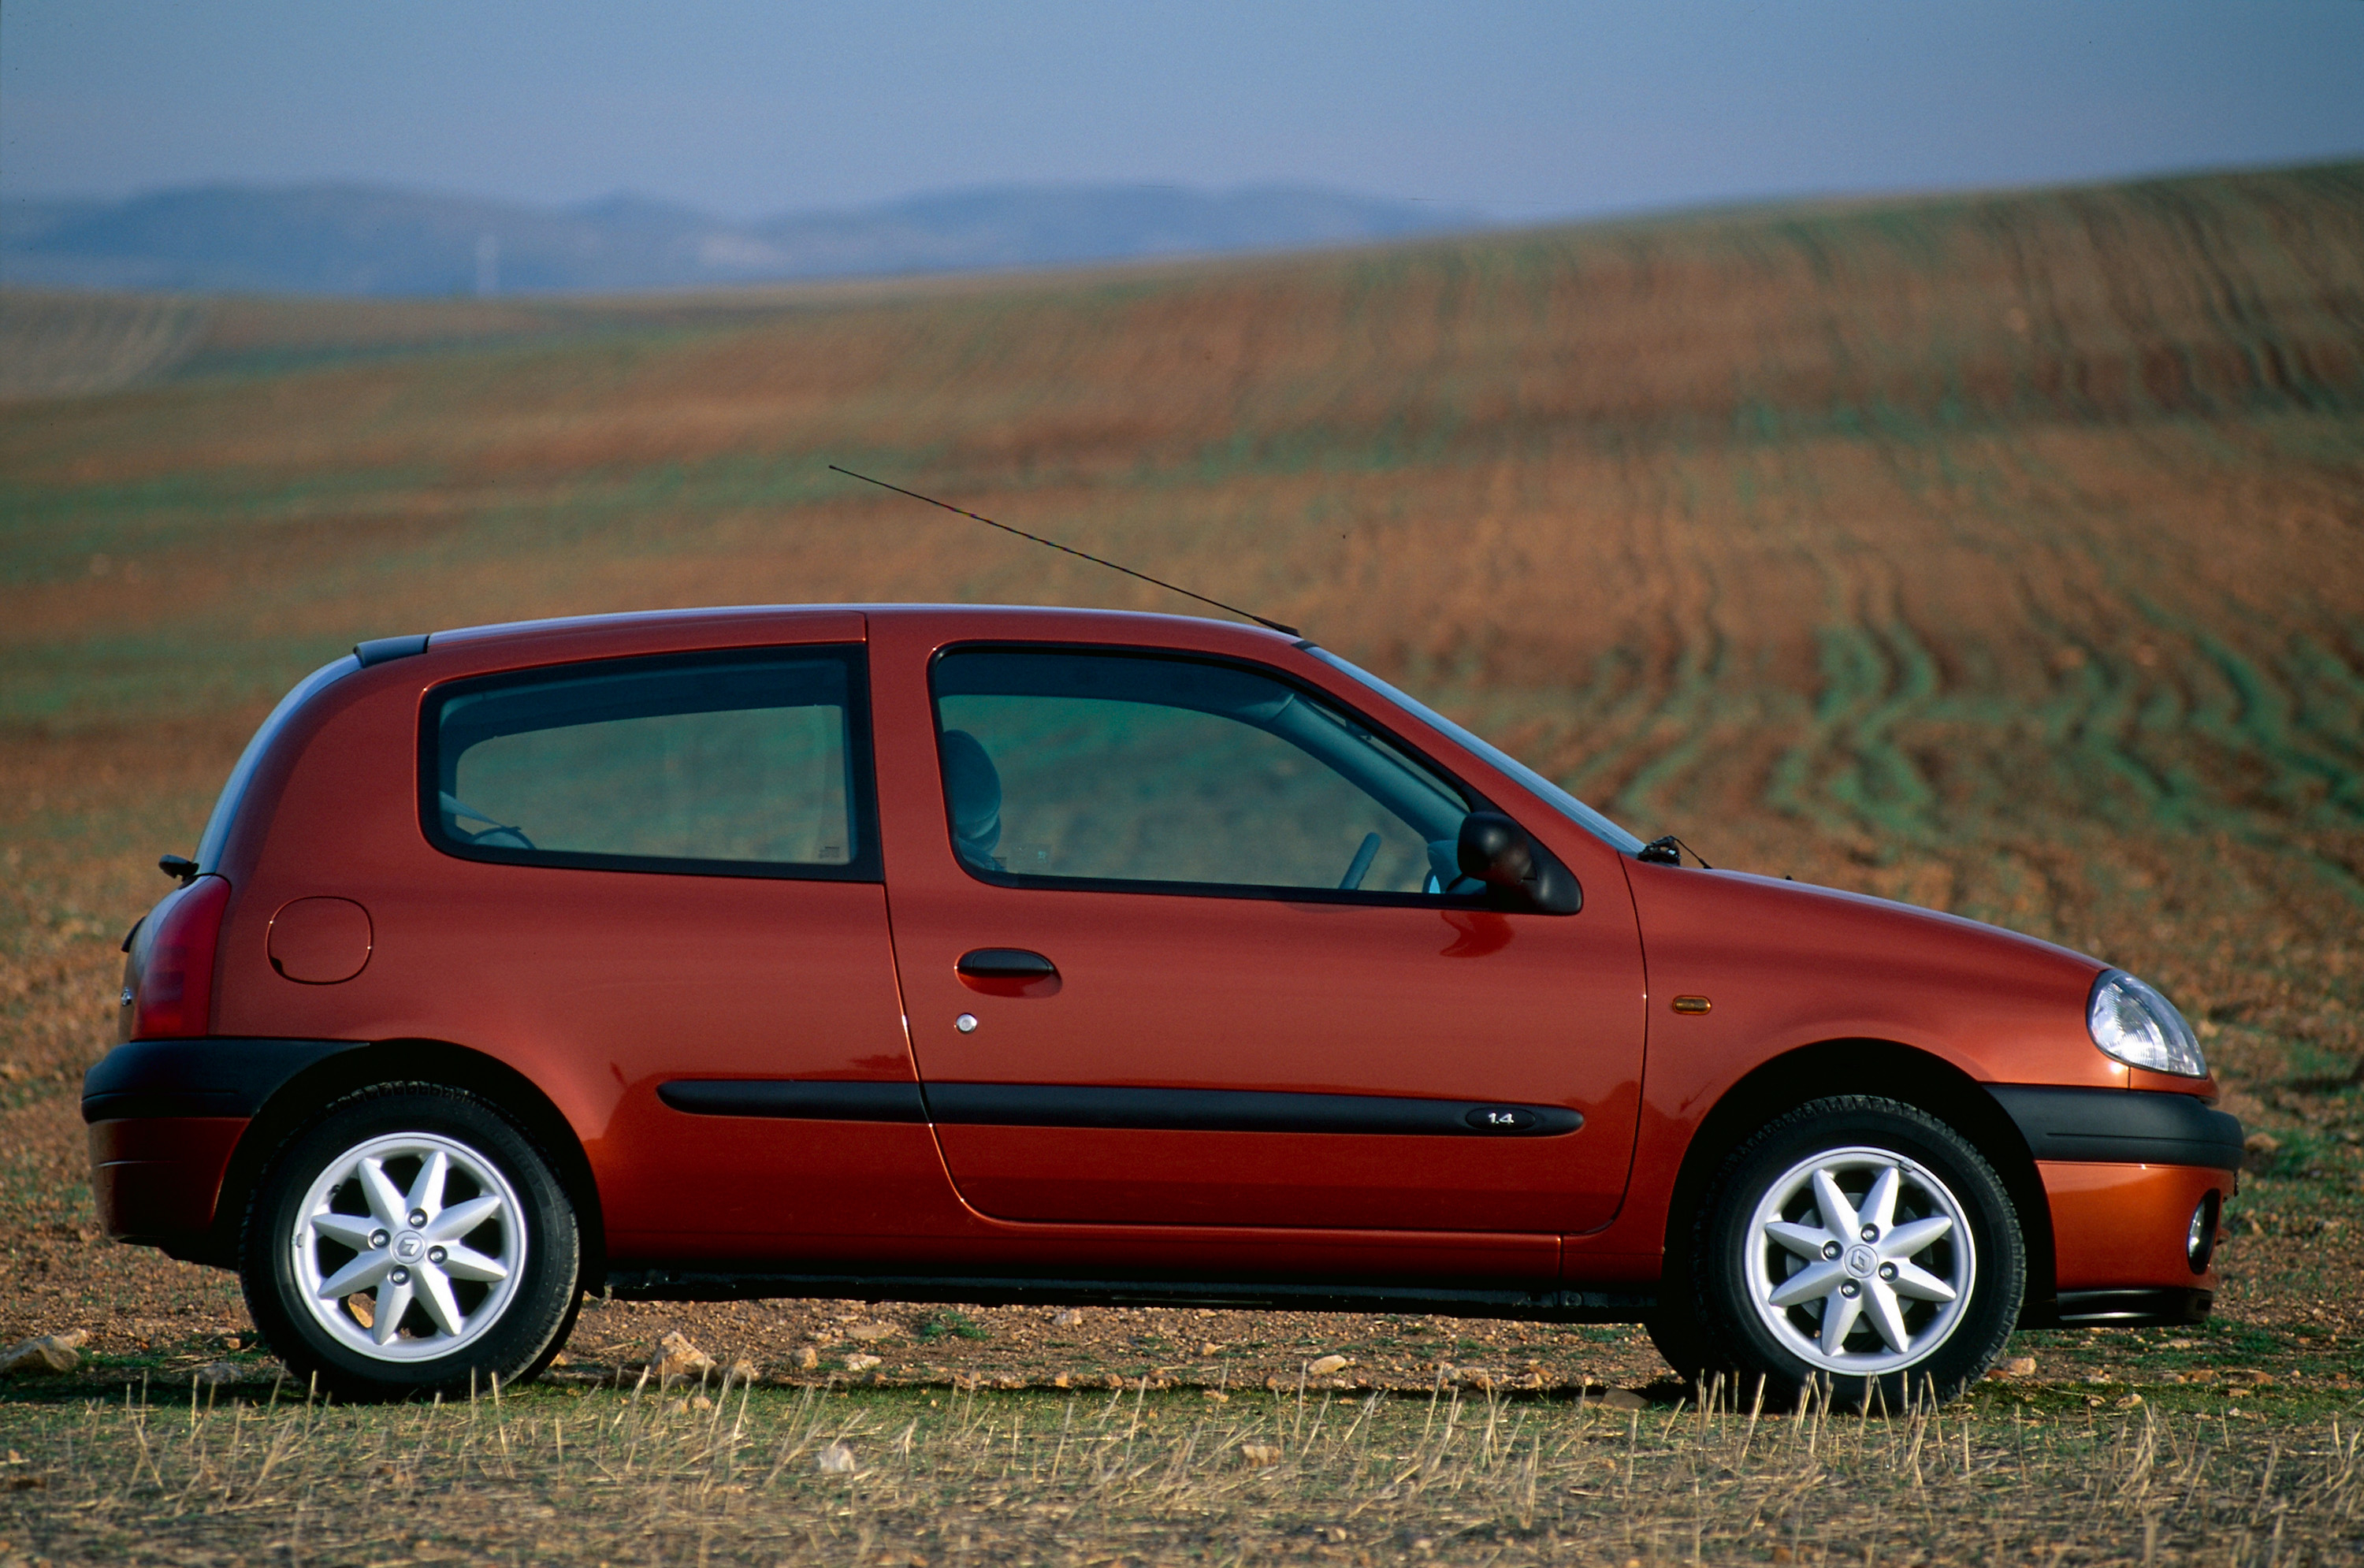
(746, 625)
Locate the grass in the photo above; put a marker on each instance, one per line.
(744, 1474)
(951, 1324)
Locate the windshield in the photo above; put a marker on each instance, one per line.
(1568, 805)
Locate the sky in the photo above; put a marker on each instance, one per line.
(1522, 111)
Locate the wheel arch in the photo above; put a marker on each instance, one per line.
(1891, 1071)
(303, 1097)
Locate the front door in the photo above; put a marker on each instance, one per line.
(1198, 953)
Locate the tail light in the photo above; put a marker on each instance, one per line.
(172, 994)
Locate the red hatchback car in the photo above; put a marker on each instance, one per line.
(991, 954)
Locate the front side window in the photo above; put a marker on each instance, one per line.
(1566, 805)
(733, 764)
(1112, 768)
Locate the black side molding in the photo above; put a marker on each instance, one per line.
(2131, 1126)
(215, 1075)
(813, 1099)
(378, 650)
(1238, 1110)
(1095, 1106)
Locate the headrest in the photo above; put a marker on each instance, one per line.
(972, 794)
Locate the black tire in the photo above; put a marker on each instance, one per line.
(1675, 1327)
(1735, 1258)
(508, 1327)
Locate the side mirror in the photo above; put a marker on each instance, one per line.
(1520, 873)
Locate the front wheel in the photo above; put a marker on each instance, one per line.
(411, 1239)
(1862, 1244)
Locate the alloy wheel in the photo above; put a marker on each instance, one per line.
(409, 1247)
(1860, 1261)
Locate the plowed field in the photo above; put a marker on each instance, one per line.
(2004, 555)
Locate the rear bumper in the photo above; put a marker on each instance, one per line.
(215, 1075)
(158, 1179)
(165, 1117)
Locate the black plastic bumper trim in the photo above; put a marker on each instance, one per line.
(814, 1100)
(1541, 1305)
(2159, 1306)
(215, 1075)
(2131, 1127)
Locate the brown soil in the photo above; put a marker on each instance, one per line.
(2001, 555)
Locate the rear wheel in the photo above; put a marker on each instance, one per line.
(412, 1238)
(1859, 1243)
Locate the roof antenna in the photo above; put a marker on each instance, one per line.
(1054, 544)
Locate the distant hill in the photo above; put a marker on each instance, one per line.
(24, 222)
(353, 239)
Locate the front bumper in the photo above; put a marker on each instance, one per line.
(2120, 1127)
(2124, 1228)
(2124, 1172)
(2162, 1305)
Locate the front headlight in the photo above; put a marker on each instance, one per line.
(2134, 1023)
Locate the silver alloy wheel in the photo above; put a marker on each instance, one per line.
(412, 1271)
(1843, 1282)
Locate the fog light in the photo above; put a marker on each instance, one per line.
(2199, 1245)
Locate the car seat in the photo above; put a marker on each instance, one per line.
(973, 796)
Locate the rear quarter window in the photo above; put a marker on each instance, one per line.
(725, 765)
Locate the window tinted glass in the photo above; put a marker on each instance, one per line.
(1575, 810)
(1106, 767)
(733, 764)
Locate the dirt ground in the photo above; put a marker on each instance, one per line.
(2002, 555)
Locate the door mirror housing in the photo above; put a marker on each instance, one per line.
(1519, 873)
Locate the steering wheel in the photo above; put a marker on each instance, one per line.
(500, 835)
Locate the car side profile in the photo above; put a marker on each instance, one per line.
(986, 954)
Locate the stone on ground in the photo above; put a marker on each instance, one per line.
(47, 1352)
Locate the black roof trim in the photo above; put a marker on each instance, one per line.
(378, 650)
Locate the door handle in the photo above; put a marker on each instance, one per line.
(1005, 963)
